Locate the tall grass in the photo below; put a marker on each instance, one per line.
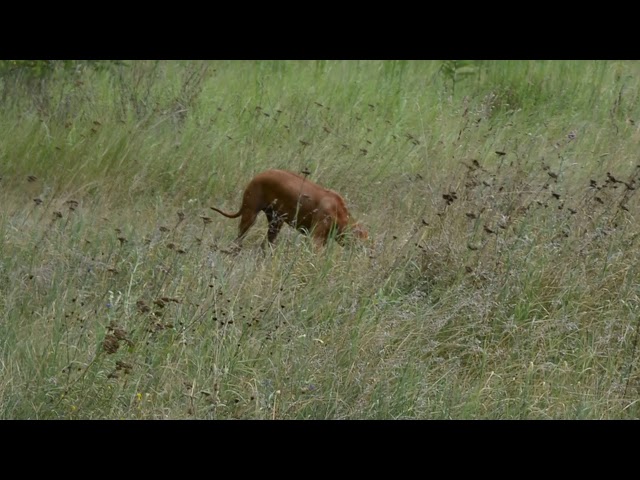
(500, 281)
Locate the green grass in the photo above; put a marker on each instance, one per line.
(495, 285)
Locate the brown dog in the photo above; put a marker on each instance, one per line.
(287, 197)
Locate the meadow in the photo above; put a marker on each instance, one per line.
(500, 280)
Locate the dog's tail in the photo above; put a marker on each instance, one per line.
(234, 215)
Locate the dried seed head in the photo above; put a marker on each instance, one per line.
(171, 299)
(119, 333)
(110, 343)
(450, 197)
(31, 178)
(142, 306)
(38, 201)
(120, 365)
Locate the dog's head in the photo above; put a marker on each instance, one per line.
(359, 231)
(353, 231)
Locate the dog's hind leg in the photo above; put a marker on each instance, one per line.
(246, 222)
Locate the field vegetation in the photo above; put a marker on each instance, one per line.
(501, 279)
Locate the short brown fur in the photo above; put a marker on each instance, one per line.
(288, 197)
